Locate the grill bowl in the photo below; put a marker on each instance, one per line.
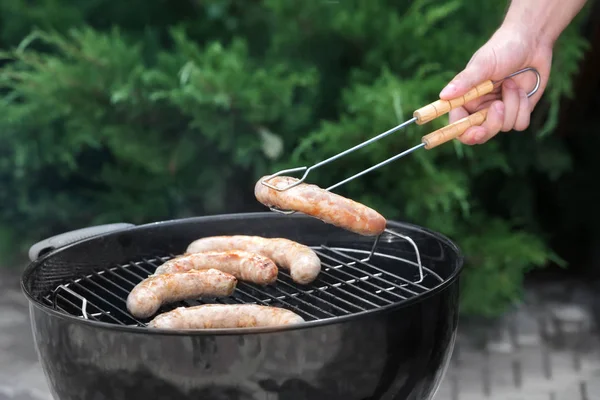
(376, 336)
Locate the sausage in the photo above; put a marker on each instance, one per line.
(302, 262)
(150, 294)
(241, 264)
(214, 316)
(319, 203)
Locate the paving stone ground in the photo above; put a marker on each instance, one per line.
(21, 377)
(547, 349)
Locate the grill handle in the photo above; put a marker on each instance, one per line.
(42, 247)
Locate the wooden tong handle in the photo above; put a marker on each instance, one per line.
(453, 130)
(441, 107)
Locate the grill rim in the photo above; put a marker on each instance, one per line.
(138, 230)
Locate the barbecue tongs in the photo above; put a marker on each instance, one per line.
(421, 116)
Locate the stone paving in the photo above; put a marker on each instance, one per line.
(547, 349)
(21, 377)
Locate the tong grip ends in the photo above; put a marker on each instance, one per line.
(440, 107)
(454, 130)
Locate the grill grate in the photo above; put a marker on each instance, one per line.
(348, 284)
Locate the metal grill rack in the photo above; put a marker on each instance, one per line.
(347, 284)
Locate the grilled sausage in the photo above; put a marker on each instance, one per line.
(211, 316)
(303, 263)
(241, 264)
(150, 294)
(319, 203)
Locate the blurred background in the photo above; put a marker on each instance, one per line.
(141, 111)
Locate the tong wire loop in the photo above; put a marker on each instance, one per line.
(414, 245)
(535, 71)
(84, 313)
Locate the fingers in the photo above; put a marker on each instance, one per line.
(510, 98)
(493, 123)
(456, 114)
(477, 71)
(490, 127)
(544, 70)
(468, 137)
(511, 113)
(524, 113)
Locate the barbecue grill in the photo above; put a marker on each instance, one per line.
(380, 319)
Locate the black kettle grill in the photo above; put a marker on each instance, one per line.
(380, 320)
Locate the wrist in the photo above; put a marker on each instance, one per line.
(541, 20)
(532, 35)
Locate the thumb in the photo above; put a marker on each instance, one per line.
(478, 70)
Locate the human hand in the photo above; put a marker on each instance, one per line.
(508, 50)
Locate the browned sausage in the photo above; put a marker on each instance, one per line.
(319, 203)
(243, 265)
(303, 263)
(150, 294)
(214, 316)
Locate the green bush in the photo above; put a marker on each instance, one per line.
(133, 112)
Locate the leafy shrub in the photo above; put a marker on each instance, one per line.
(110, 114)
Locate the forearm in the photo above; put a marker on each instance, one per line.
(545, 19)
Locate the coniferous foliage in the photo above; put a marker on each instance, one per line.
(143, 111)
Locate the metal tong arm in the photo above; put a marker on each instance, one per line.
(331, 159)
(459, 127)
